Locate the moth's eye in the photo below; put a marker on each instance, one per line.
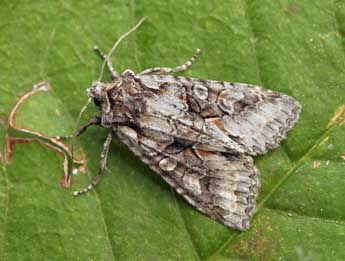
(97, 102)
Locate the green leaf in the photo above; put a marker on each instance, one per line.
(295, 47)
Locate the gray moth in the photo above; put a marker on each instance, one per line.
(198, 135)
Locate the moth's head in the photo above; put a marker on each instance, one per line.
(96, 92)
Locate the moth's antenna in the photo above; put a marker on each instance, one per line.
(117, 43)
(75, 135)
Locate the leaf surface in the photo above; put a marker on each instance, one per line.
(295, 47)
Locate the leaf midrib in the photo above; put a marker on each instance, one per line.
(293, 169)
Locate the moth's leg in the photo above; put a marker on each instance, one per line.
(114, 74)
(94, 121)
(166, 70)
(103, 162)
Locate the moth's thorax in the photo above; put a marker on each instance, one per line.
(119, 101)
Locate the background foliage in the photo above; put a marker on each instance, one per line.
(295, 47)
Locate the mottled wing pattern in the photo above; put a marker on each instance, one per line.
(221, 185)
(218, 116)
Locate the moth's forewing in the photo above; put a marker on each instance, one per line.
(223, 186)
(221, 116)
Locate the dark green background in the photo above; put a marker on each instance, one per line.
(295, 47)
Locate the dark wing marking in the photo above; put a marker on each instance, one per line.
(220, 116)
(223, 186)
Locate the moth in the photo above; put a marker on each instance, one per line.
(198, 135)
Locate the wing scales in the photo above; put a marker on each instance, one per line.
(198, 135)
(221, 185)
(233, 116)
